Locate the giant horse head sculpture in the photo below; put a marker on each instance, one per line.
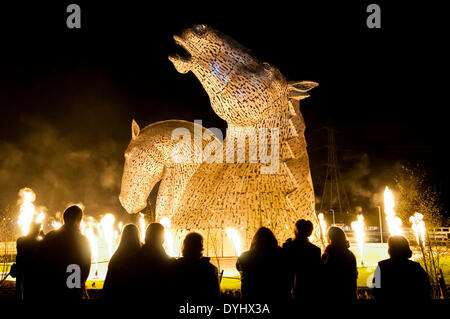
(242, 89)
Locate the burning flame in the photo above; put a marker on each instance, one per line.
(418, 225)
(168, 236)
(40, 217)
(358, 228)
(236, 239)
(394, 222)
(93, 242)
(28, 212)
(323, 226)
(107, 227)
(56, 224)
(142, 227)
(105, 231)
(83, 227)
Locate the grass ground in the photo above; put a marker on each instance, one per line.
(365, 275)
(445, 265)
(228, 283)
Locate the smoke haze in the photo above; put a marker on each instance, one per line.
(76, 158)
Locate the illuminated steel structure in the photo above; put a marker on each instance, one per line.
(213, 195)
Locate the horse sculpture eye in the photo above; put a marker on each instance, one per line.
(199, 29)
(266, 66)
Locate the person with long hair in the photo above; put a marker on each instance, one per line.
(198, 279)
(116, 285)
(263, 269)
(154, 278)
(340, 273)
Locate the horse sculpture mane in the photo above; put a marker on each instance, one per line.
(211, 196)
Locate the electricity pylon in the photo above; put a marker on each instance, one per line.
(334, 198)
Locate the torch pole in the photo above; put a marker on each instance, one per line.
(422, 244)
(443, 285)
(381, 224)
(433, 265)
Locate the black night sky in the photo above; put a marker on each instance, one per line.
(67, 97)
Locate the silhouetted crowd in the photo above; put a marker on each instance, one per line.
(56, 266)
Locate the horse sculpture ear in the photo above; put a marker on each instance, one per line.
(297, 90)
(134, 129)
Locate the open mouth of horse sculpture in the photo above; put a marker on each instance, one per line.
(182, 58)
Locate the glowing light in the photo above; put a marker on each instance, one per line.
(323, 225)
(28, 212)
(27, 197)
(418, 226)
(56, 225)
(40, 217)
(358, 228)
(116, 238)
(107, 227)
(93, 242)
(236, 239)
(168, 236)
(394, 222)
(83, 227)
(142, 227)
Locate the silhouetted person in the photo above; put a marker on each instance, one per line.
(153, 280)
(304, 263)
(263, 269)
(63, 252)
(198, 279)
(399, 279)
(340, 273)
(117, 283)
(26, 263)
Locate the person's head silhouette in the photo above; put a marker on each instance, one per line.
(399, 248)
(193, 246)
(337, 238)
(72, 216)
(154, 234)
(303, 229)
(264, 239)
(129, 240)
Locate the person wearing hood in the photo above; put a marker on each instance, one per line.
(340, 272)
(198, 279)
